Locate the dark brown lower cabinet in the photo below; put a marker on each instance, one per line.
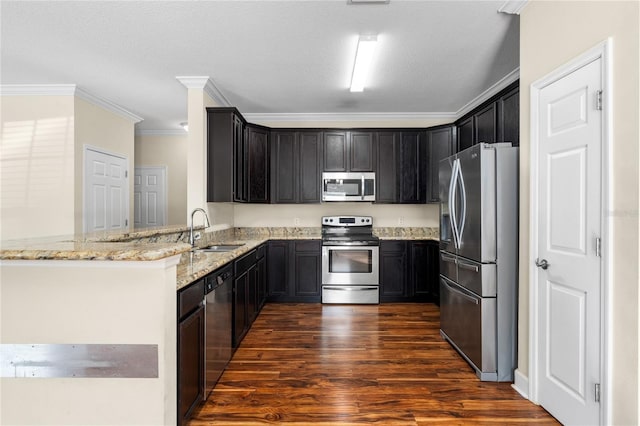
(249, 291)
(409, 271)
(294, 271)
(191, 323)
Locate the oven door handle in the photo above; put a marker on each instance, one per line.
(362, 191)
(352, 288)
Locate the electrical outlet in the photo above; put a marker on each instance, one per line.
(401, 221)
(296, 221)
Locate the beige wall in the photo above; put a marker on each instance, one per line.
(37, 166)
(420, 215)
(171, 152)
(553, 33)
(100, 128)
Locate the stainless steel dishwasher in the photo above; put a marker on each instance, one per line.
(218, 328)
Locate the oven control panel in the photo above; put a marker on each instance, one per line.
(347, 221)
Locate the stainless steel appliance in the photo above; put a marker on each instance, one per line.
(479, 255)
(349, 186)
(350, 260)
(218, 325)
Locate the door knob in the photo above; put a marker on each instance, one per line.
(542, 263)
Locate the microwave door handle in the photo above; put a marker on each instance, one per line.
(362, 192)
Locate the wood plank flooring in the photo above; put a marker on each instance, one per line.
(356, 364)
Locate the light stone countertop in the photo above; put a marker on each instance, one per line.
(158, 243)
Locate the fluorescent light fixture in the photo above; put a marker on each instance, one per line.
(185, 126)
(364, 54)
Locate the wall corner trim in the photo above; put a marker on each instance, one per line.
(513, 7)
(66, 90)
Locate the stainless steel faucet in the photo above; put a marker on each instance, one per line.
(192, 238)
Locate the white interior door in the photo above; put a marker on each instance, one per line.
(150, 196)
(106, 191)
(569, 228)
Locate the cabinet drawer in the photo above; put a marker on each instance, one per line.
(190, 298)
(245, 262)
(261, 251)
(310, 246)
(392, 246)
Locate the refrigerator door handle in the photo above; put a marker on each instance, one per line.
(464, 295)
(452, 203)
(468, 266)
(463, 196)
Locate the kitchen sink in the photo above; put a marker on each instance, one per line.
(219, 247)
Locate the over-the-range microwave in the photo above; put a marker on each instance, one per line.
(348, 186)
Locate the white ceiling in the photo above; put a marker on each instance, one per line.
(265, 57)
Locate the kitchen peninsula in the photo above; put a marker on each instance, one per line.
(108, 291)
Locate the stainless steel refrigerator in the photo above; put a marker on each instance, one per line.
(479, 257)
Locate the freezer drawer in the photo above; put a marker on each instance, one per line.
(469, 323)
(480, 278)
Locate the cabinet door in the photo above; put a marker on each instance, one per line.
(190, 363)
(240, 289)
(335, 151)
(485, 124)
(441, 146)
(261, 276)
(220, 155)
(419, 269)
(509, 117)
(257, 165)
(393, 271)
(465, 134)
(310, 170)
(277, 269)
(284, 171)
(239, 161)
(386, 173)
(308, 269)
(362, 151)
(412, 157)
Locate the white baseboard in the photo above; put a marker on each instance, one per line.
(521, 384)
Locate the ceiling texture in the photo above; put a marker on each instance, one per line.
(269, 58)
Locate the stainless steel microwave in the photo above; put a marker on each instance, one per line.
(348, 186)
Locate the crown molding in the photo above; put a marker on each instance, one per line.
(512, 7)
(161, 132)
(490, 92)
(364, 116)
(107, 104)
(66, 90)
(205, 83)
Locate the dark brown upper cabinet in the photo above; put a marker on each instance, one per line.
(296, 166)
(349, 151)
(335, 151)
(485, 124)
(496, 120)
(362, 151)
(225, 136)
(237, 159)
(401, 175)
(440, 145)
(387, 170)
(509, 117)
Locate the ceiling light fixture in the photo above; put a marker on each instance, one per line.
(185, 126)
(364, 54)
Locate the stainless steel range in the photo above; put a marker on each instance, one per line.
(350, 260)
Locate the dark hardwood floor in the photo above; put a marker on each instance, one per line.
(356, 364)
